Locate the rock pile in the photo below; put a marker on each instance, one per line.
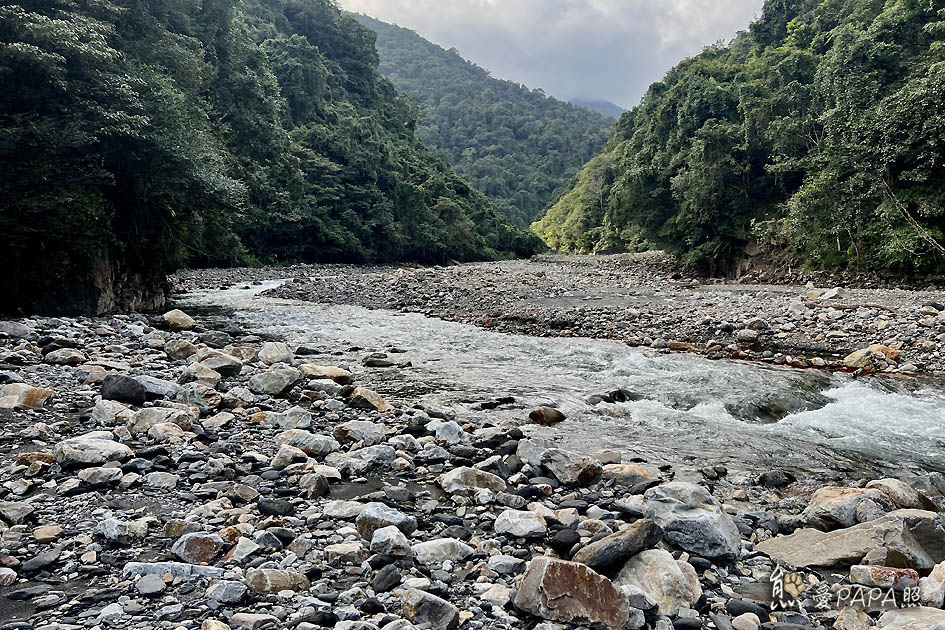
(172, 474)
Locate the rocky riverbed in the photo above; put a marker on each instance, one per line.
(169, 471)
(646, 300)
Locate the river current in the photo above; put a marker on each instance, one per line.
(669, 408)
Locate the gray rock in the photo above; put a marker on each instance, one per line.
(151, 584)
(436, 552)
(374, 516)
(92, 448)
(227, 592)
(693, 520)
(422, 608)
(275, 382)
(520, 524)
(570, 468)
(617, 548)
(672, 583)
(176, 569)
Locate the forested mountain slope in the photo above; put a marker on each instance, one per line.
(139, 136)
(819, 133)
(516, 145)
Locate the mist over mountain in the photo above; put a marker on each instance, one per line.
(517, 145)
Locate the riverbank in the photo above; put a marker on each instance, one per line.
(644, 300)
(180, 472)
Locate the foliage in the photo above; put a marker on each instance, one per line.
(136, 137)
(826, 119)
(516, 145)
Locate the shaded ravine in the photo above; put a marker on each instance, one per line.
(672, 408)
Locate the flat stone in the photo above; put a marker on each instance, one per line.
(91, 449)
(913, 619)
(436, 552)
(520, 524)
(466, 480)
(151, 584)
(336, 374)
(179, 570)
(227, 591)
(264, 581)
(309, 443)
(47, 533)
(364, 398)
(571, 593)
(814, 548)
(23, 396)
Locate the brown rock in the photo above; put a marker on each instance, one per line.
(47, 533)
(25, 459)
(570, 592)
(337, 374)
(265, 581)
(364, 398)
(814, 548)
(546, 416)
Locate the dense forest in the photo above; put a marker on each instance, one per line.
(818, 134)
(139, 136)
(516, 145)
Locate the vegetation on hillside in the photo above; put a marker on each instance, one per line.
(516, 145)
(136, 137)
(820, 132)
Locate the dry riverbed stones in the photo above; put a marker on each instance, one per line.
(187, 474)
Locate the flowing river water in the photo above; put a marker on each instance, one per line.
(672, 408)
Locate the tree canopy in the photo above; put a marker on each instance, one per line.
(136, 137)
(517, 145)
(819, 131)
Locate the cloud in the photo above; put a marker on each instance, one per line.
(598, 49)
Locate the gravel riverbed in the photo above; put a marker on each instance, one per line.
(169, 471)
(645, 300)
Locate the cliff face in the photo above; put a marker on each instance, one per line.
(108, 285)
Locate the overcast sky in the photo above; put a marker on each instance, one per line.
(595, 49)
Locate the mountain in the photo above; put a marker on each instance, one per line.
(606, 108)
(516, 145)
(817, 136)
(139, 136)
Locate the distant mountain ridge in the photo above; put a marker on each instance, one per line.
(518, 146)
(601, 107)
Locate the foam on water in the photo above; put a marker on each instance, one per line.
(679, 405)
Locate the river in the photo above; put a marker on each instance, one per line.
(677, 409)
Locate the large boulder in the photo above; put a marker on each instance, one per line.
(265, 581)
(422, 608)
(91, 449)
(273, 352)
(466, 480)
(814, 548)
(913, 619)
(275, 382)
(693, 520)
(570, 592)
(671, 583)
(835, 506)
(123, 389)
(570, 468)
(178, 320)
